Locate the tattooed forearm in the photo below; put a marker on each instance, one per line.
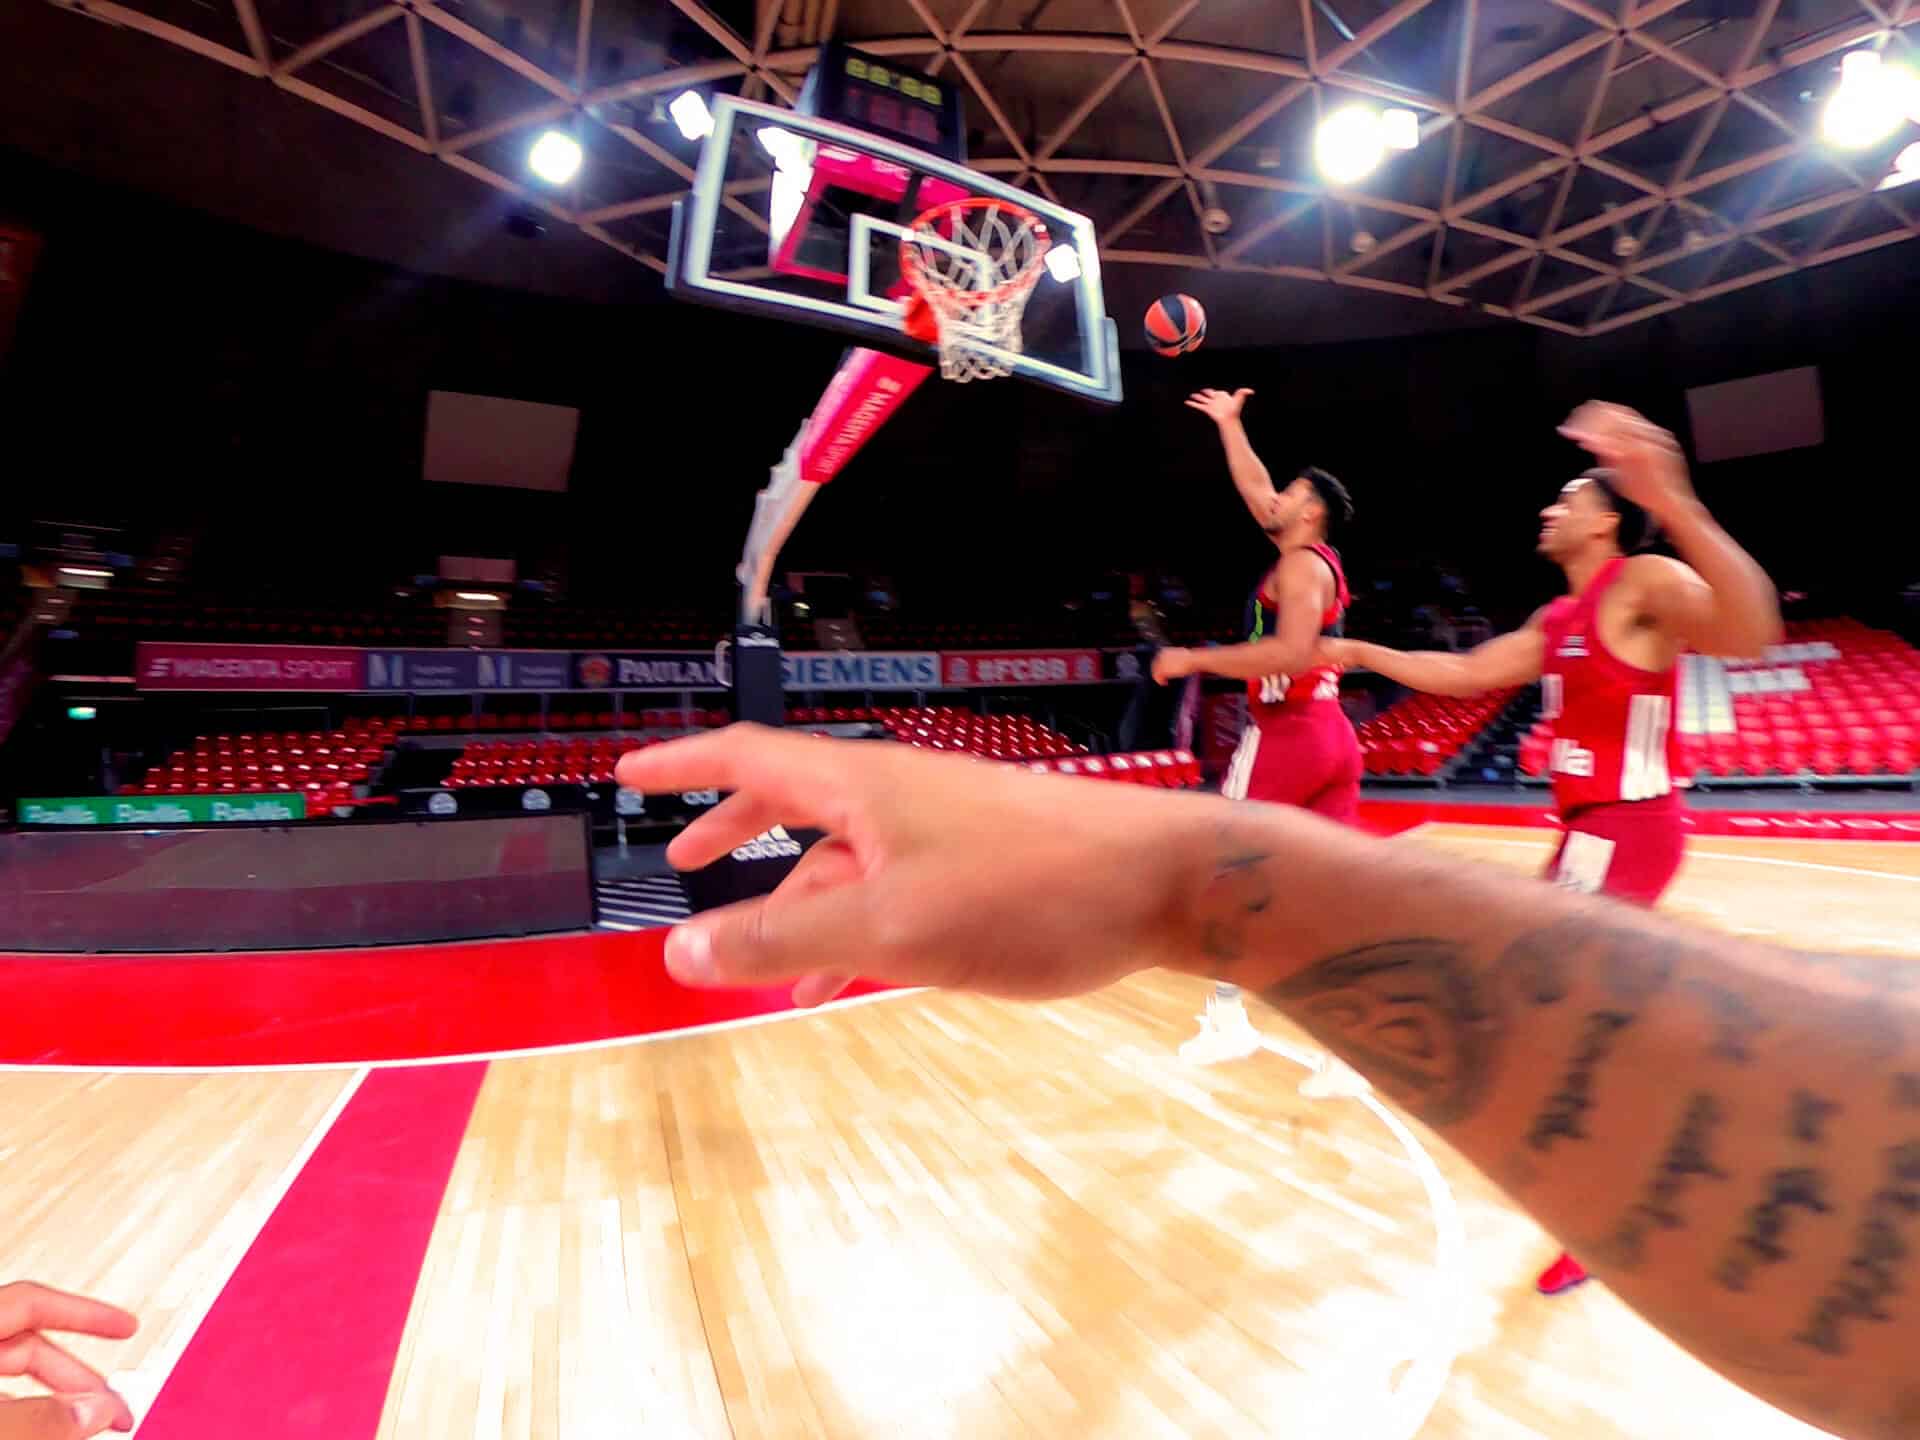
(1809, 1116)
(1241, 890)
(1766, 1223)
(1878, 1260)
(1736, 1024)
(1414, 1015)
(1686, 1159)
(1543, 966)
(1566, 1107)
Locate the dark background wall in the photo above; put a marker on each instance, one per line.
(169, 366)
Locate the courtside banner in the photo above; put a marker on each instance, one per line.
(1019, 667)
(524, 669)
(649, 670)
(187, 665)
(164, 809)
(419, 671)
(862, 670)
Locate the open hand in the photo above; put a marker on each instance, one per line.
(82, 1405)
(1218, 405)
(935, 869)
(1175, 662)
(1646, 462)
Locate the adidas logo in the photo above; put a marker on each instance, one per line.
(776, 844)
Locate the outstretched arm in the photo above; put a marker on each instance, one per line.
(1250, 475)
(1304, 584)
(1724, 604)
(1729, 1134)
(1511, 659)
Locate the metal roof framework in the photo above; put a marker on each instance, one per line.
(1583, 165)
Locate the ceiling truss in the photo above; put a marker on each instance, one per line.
(1681, 244)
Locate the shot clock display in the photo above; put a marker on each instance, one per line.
(869, 92)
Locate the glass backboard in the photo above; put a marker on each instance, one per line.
(801, 219)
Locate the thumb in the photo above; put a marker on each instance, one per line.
(1241, 394)
(58, 1417)
(776, 938)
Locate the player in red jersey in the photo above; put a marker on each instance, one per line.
(1298, 747)
(1605, 656)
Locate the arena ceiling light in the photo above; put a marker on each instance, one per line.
(555, 157)
(1871, 102)
(1063, 263)
(1353, 140)
(1906, 168)
(690, 113)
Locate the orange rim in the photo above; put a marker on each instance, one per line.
(914, 269)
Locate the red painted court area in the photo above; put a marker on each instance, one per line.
(429, 1002)
(352, 1006)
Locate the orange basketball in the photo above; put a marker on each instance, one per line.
(1176, 324)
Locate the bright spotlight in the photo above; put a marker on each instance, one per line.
(1349, 144)
(1063, 262)
(555, 157)
(788, 150)
(1400, 129)
(690, 113)
(1871, 102)
(1906, 168)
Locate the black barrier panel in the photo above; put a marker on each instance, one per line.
(752, 870)
(296, 887)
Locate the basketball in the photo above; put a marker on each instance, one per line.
(1176, 324)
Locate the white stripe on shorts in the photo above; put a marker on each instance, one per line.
(1239, 774)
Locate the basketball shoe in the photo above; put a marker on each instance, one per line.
(1225, 1032)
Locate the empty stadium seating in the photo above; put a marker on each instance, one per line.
(582, 760)
(996, 737)
(1169, 769)
(329, 767)
(1420, 734)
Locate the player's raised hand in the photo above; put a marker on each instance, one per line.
(1647, 463)
(924, 859)
(1219, 406)
(82, 1404)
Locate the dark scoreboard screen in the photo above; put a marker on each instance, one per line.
(870, 93)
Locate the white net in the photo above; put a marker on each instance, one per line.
(976, 262)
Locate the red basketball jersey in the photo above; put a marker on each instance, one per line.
(1271, 694)
(1612, 722)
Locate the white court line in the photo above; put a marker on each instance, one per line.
(1693, 852)
(571, 1047)
(142, 1386)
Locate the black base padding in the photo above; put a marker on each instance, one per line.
(752, 870)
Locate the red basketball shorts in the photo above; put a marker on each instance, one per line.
(1307, 757)
(1629, 850)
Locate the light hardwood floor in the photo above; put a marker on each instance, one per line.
(936, 1215)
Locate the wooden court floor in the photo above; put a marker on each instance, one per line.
(917, 1215)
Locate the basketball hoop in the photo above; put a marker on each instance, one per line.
(973, 264)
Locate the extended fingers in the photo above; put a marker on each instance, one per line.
(38, 1358)
(733, 822)
(807, 781)
(25, 1305)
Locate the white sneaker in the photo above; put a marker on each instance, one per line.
(1225, 1034)
(1332, 1078)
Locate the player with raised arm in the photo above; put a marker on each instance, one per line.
(1605, 656)
(1298, 747)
